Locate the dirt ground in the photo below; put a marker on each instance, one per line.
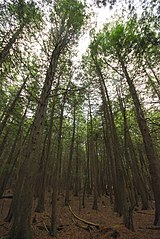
(111, 225)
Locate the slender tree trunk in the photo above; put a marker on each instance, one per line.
(155, 87)
(11, 107)
(3, 143)
(154, 164)
(151, 68)
(45, 158)
(57, 171)
(93, 161)
(115, 151)
(55, 182)
(109, 168)
(88, 166)
(11, 160)
(9, 45)
(77, 171)
(138, 182)
(68, 182)
(21, 226)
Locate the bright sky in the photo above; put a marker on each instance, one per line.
(97, 21)
(102, 15)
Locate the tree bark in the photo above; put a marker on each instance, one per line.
(113, 142)
(132, 162)
(45, 157)
(11, 107)
(93, 160)
(68, 182)
(9, 45)
(12, 157)
(154, 164)
(57, 171)
(21, 226)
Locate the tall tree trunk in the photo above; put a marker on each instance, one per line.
(3, 143)
(132, 161)
(57, 170)
(115, 151)
(21, 226)
(9, 45)
(11, 160)
(76, 186)
(93, 160)
(154, 86)
(109, 185)
(154, 164)
(45, 157)
(68, 179)
(88, 164)
(11, 107)
(151, 68)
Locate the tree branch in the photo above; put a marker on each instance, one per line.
(82, 220)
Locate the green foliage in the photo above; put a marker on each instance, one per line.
(26, 13)
(135, 36)
(71, 12)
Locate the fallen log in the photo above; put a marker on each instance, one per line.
(2, 224)
(153, 228)
(82, 220)
(6, 197)
(145, 213)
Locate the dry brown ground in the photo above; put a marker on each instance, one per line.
(110, 223)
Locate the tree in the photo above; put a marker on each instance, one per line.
(120, 42)
(66, 31)
(25, 16)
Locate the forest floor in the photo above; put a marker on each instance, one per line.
(111, 225)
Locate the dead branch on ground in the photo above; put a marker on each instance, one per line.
(82, 220)
(87, 228)
(153, 228)
(45, 226)
(145, 213)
